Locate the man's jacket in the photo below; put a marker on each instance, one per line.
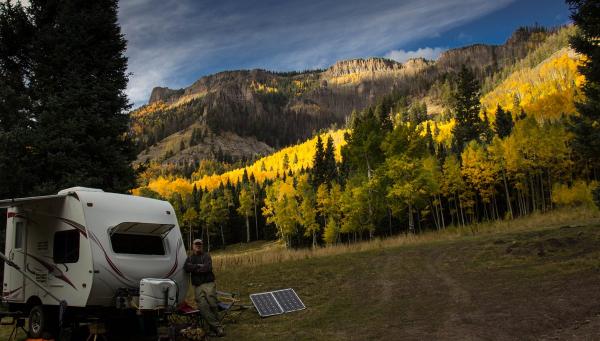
(200, 267)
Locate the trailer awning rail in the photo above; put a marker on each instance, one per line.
(23, 201)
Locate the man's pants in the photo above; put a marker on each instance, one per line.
(206, 298)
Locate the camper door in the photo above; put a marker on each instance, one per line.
(16, 251)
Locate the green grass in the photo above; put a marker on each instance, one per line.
(527, 284)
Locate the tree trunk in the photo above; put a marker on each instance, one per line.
(411, 223)
(550, 189)
(247, 230)
(255, 215)
(314, 238)
(435, 214)
(208, 239)
(531, 186)
(442, 212)
(508, 204)
(222, 235)
(190, 238)
(389, 211)
(462, 215)
(542, 192)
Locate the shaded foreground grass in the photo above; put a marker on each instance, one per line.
(522, 282)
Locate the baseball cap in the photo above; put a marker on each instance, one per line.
(198, 241)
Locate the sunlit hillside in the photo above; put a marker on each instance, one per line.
(269, 167)
(545, 91)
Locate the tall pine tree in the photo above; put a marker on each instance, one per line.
(586, 126)
(504, 122)
(318, 171)
(78, 89)
(329, 165)
(466, 109)
(16, 120)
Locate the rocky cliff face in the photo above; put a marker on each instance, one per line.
(370, 65)
(375, 66)
(165, 95)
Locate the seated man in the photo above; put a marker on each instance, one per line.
(199, 265)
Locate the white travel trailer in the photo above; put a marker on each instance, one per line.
(90, 249)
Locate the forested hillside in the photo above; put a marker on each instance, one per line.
(402, 168)
(214, 116)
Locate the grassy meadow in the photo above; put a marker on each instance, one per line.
(531, 278)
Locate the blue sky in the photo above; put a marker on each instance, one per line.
(174, 42)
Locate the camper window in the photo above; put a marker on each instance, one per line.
(137, 244)
(66, 247)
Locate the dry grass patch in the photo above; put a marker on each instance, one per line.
(276, 252)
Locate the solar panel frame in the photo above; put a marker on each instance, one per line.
(277, 302)
(263, 302)
(288, 300)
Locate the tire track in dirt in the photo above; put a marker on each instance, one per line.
(455, 325)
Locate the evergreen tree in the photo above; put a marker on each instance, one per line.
(504, 122)
(466, 109)
(329, 165)
(363, 149)
(16, 120)
(586, 126)
(78, 89)
(487, 134)
(382, 113)
(196, 197)
(318, 172)
(245, 178)
(429, 139)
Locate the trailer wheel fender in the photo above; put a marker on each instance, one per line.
(32, 302)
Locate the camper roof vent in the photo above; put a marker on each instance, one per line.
(78, 189)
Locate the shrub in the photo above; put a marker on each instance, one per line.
(579, 194)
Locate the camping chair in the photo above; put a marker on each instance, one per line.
(229, 305)
(17, 322)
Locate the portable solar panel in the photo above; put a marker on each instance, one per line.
(288, 300)
(276, 302)
(265, 304)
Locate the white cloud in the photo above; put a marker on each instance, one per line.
(429, 53)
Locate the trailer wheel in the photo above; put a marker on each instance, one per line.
(38, 320)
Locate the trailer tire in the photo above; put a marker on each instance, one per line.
(38, 321)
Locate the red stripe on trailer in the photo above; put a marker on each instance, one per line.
(179, 243)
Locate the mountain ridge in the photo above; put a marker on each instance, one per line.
(281, 108)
